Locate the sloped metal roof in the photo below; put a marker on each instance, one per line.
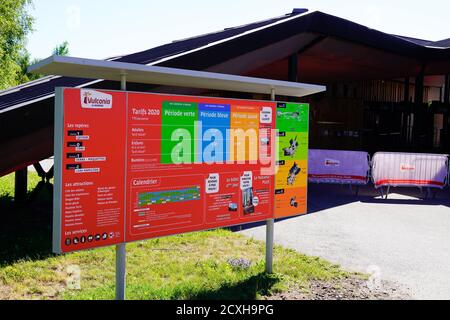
(44, 88)
(441, 43)
(445, 43)
(201, 52)
(330, 49)
(421, 42)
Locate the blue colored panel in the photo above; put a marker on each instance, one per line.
(215, 126)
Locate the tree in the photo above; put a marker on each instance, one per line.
(25, 61)
(62, 49)
(15, 25)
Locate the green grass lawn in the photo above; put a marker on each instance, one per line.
(191, 266)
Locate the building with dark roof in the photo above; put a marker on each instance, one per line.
(384, 92)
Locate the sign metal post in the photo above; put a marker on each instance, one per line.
(270, 225)
(121, 252)
(121, 256)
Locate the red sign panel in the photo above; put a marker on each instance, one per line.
(135, 166)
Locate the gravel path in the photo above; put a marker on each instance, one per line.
(405, 239)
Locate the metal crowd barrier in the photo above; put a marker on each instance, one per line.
(395, 169)
(339, 167)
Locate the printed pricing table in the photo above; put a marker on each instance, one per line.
(135, 166)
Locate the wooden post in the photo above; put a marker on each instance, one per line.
(418, 101)
(418, 94)
(293, 68)
(406, 110)
(447, 89)
(293, 71)
(21, 185)
(406, 91)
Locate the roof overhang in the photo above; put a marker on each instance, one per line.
(115, 71)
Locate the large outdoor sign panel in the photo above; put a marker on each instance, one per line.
(291, 178)
(134, 166)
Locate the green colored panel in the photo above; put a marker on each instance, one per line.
(178, 118)
(293, 146)
(293, 117)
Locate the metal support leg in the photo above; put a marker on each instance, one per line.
(121, 251)
(121, 255)
(40, 171)
(21, 185)
(427, 196)
(387, 192)
(381, 193)
(50, 174)
(44, 183)
(270, 226)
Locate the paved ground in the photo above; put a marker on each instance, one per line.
(404, 239)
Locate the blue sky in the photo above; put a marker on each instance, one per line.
(102, 28)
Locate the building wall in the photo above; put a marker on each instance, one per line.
(367, 115)
(370, 116)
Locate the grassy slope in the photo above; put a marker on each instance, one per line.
(192, 266)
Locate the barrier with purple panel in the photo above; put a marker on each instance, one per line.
(339, 167)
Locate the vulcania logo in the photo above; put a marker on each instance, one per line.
(332, 163)
(407, 167)
(91, 99)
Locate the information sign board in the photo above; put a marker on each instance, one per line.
(134, 166)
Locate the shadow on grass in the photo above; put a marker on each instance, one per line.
(249, 289)
(26, 229)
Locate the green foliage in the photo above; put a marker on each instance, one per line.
(24, 62)
(15, 25)
(62, 49)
